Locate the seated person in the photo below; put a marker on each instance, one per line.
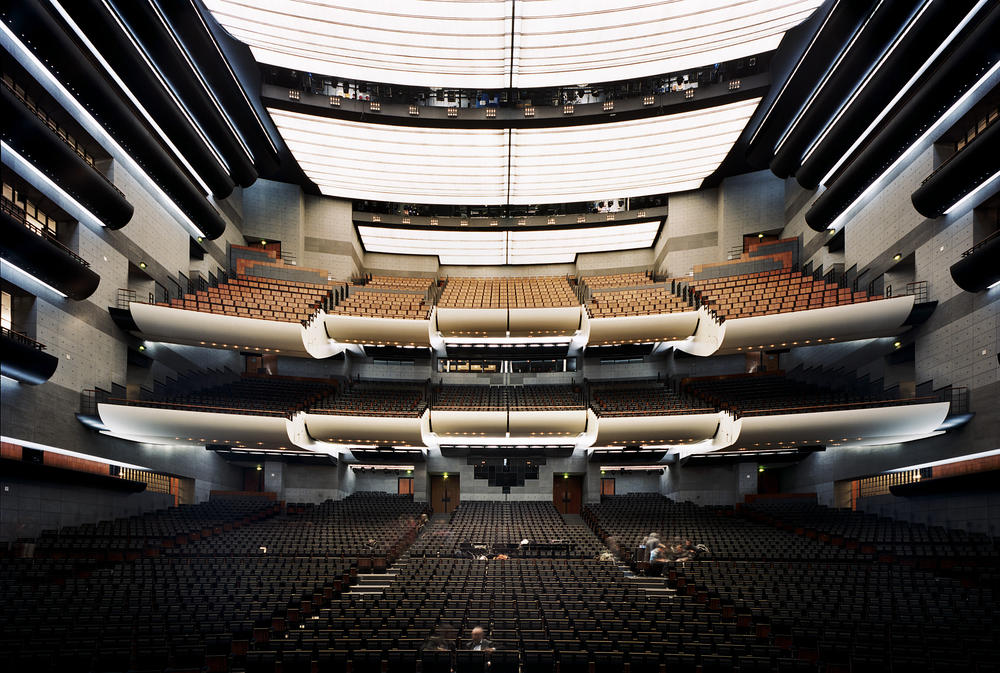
(478, 641)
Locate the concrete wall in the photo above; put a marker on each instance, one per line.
(973, 512)
(28, 507)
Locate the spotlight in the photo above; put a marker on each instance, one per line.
(897, 257)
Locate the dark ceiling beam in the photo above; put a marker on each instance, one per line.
(873, 38)
(960, 174)
(150, 28)
(837, 21)
(51, 44)
(123, 54)
(912, 50)
(221, 70)
(956, 75)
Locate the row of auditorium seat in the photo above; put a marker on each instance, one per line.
(753, 604)
(540, 292)
(640, 398)
(529, 397)
(257, 297)
(772, 292)
(253, 395)
(506, 523)
(395, 297)
(375, 399)
(618, 280)
(769, 393)
(632, 302)
(747, 295)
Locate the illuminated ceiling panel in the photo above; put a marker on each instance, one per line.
(532, 246)
(561, 42)
(475, 166)
(624, 159)
(456, 43)
(398, 163)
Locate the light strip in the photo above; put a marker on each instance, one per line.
(21, 165)
(239, 85)
(868, 78)
(128, 92)
(634, 468)
(4, 262)
(201, 80)
(984, 81)
(51, 84)
(946, 461)
(66, 452)
(971, 196)
(798, 64)
(826, 76)
(906, 87)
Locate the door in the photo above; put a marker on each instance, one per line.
(444, 493)
(567, 492)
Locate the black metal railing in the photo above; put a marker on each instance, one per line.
(127, 296)
(981, 243)
(21, 338)
(21, 215)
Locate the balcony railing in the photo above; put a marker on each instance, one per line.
(21, 338)
(981, 243)
(19, 214)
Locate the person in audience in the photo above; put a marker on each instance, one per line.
(658, 556)
(649, 544)
(478, 641)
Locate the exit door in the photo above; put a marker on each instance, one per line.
(567, 493)
(444, 493)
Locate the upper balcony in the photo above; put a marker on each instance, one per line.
(25, 359)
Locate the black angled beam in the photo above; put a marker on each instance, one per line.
(51, 44)
(960, 72)
(873, 38)
(122, 53)
(913, 49)
(222, 70)
(148, 25)
(834, 30)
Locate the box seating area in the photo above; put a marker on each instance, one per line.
(638, 398)
(369, 398)
(471, 397)
(503, 523)
(773, 393)
(618, 280)
(257, 297)
(640, 301)
(929, 547)
(384, 305)
(540, 292)
(364, 524)
(773, 292)
(253, 395)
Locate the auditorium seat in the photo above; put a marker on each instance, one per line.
(540, 292)
(637, 398)
(258, 297)
(369, 398)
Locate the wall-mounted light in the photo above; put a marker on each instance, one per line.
(897, 344)
(142, 265)
(260, 467)
(898, 256)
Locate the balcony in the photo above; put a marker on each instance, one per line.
(24, 359)
(38, 252)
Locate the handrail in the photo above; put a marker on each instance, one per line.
(21, 215)
(981, 243)
(21, 338)
(55, 128)
(196, 407)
